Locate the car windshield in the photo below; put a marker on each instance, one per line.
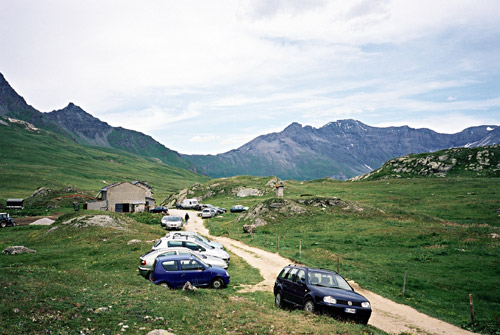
(327, 279)
(174, 218)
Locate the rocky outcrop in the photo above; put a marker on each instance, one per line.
(483, 161)
(17, 249)
(242, 192)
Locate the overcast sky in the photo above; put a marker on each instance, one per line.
(208, 76)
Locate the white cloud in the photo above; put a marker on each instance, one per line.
(203, 138)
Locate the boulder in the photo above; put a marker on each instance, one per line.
(17, 249)
(249, 228)
(160, 332)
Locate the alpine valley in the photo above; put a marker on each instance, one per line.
(339, 150)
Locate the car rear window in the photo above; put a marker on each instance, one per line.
(283, 272)
(290, 275)
(170, 265)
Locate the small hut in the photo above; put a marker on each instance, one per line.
(280, 188)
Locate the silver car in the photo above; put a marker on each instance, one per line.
(147, 260)
(196, 236)
(192, 244)
(172, 222)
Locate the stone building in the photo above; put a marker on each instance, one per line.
(123, 197)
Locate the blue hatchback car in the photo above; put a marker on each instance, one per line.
(175, 270)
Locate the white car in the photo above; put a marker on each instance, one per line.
(147, 260)
(192, 244)
(194, 235)
(207, 213)
(172, 222)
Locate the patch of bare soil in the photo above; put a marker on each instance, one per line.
(387, 315)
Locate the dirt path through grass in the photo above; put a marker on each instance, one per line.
(387, 315)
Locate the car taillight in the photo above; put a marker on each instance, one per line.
(143, 262)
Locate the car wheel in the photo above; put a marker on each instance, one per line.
(217, 283)
(277, 300)
(150, 276)
(363, 321)
(3, 224)
(309, 306)
(165, 285)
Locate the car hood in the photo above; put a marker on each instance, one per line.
(216, 261)
(218, 253)
(338, 293)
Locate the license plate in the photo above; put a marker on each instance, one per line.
(350, 310)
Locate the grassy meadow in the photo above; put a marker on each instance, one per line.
(85, 281)
(440, 232)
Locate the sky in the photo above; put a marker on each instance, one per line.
(205, 77)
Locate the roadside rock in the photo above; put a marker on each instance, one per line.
(133, 242)
(188, 287)
(249, 228)
(17, 249)
(53, 229)
(160, 332)
(105, 221)
(42, 222)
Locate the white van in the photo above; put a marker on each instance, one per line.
(189, 203)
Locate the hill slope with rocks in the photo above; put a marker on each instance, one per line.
(470, 162)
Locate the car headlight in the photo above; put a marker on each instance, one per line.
(365, 304)
(330, 300)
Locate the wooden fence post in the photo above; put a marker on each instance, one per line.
(338, 264)
(404, 284)
(300, 248)
(471, 303)
(278, 245)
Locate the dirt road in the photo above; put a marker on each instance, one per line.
(387, 315)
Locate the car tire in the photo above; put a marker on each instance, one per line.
(149, 276)
(217, 283)
(363, 321)
(165, 285)
(3, 224)
(278, 300)
(309, 306)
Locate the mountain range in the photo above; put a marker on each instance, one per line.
(340, 150)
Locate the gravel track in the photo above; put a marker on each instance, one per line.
(387, 315)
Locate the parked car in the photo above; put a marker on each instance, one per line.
(172, 222)
(207, 213)
(320, 290)
(195, 236)
(194, 245)
(175, 270)
(147, 260)
(220, 210)
(238, 208)
(6, 220)
(159, 209)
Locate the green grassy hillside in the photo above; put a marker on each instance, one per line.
(443, 232)
(30, 159)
